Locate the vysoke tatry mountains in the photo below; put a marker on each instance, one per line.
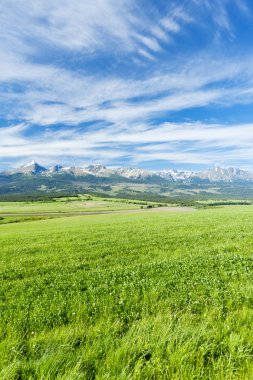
(33, 179)
(216, 174)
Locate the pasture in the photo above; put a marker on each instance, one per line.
(80, 203)
(128, 296)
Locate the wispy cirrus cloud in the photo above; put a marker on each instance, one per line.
(187, 143)
(103, 78)
(29, 26)
(61, 96)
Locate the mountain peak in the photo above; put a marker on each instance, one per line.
(31, 167)
(96, 167)
(55, 169)
(99, 170)
(30, 163)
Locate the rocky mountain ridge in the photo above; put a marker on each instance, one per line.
(216, 174)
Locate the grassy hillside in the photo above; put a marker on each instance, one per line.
(140, 296)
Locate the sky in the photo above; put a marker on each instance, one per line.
(140, 83)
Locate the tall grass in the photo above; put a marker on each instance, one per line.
(142, 296)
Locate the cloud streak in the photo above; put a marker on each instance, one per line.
(194, 143)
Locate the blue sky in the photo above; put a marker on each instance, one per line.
(153, 84)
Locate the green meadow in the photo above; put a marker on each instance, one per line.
(149, 295)
(82, 203)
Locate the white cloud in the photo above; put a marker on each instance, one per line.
(194, 143)
(73, 25)
(170, 25)
(60, 96)
(150, 43)
(85, 26)
(88, 27)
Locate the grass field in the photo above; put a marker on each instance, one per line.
(71, 204)
(129, 296)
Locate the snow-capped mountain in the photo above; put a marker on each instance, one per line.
(216, 174)
(31, 167)
(226, 175)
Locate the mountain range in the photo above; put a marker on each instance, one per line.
(137, 183)
(216, 174)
